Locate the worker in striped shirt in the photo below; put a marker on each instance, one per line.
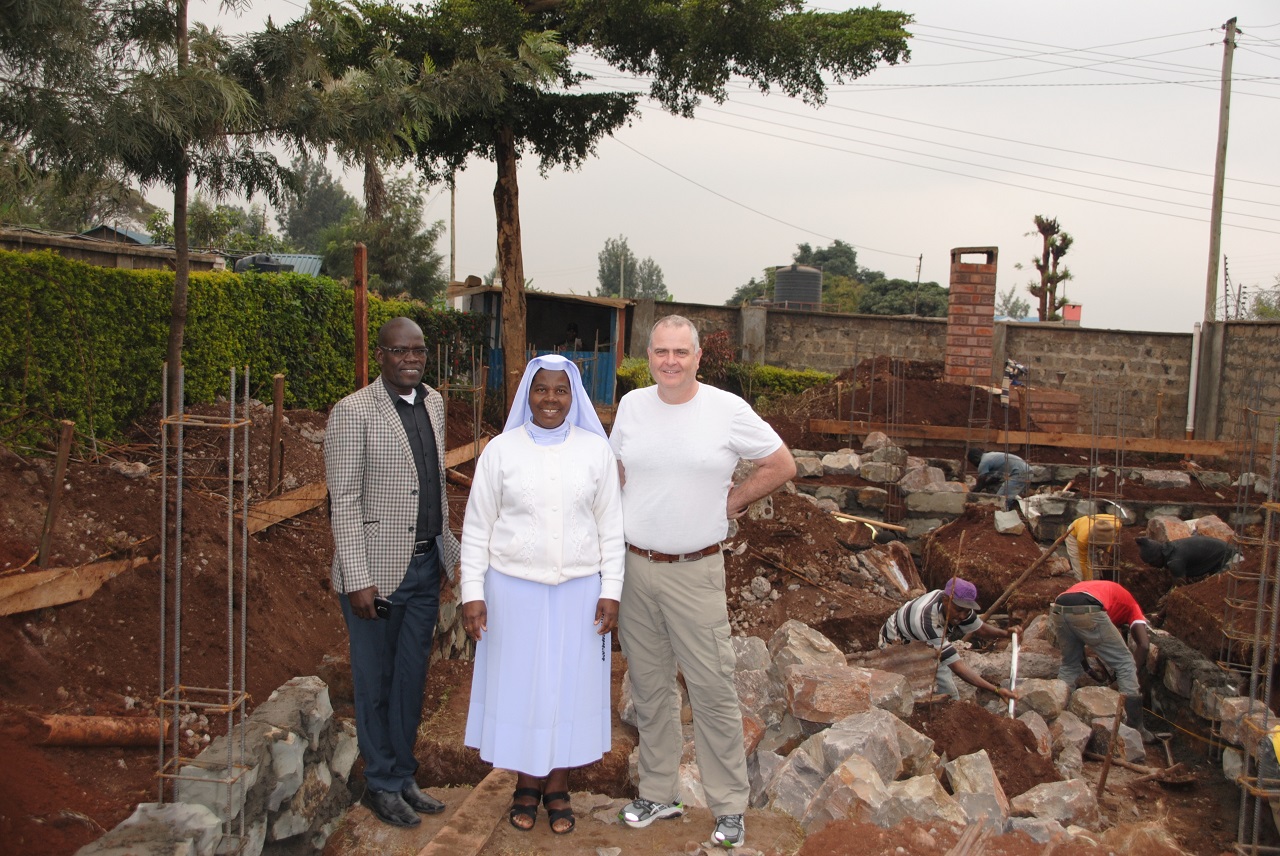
(931, 618)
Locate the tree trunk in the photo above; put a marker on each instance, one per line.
(375, 190)
(178, 305)
(506, 204)
(181, 246)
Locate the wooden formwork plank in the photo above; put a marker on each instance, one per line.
(462, 454)
(272, 511)
(55, 586)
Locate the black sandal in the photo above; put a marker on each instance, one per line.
(522, 810)
(555, 814)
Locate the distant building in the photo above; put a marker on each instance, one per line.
(116, 253)
(117, 235)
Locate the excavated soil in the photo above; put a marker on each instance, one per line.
(961, 728)
(99, 656)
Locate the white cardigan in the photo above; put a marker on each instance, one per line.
(544, 513)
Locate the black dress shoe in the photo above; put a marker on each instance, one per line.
(420, 801)
(389, 807)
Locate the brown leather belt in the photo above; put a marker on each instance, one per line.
(655, 556)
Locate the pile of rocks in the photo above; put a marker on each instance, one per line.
(826, 740)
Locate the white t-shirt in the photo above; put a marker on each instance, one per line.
(679, 461)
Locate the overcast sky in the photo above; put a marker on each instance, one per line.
(1102, 114)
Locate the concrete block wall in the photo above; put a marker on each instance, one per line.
(1249, 377)
(1151, 370)
(833, 343)
(971, 311)
(1128, 376)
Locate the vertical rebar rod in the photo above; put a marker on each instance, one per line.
(244, 581)
(231, 650)
(164, 562)
(179, 439)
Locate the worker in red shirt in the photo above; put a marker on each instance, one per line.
(1090, 613)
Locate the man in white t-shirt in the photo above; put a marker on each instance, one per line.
(678, 443)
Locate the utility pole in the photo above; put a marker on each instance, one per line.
(453, 227)
(1219, 174)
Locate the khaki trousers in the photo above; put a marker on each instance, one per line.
(674, 615)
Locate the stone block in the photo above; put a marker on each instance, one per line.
(761, 765)
(923, 799)
(287, 753)
(761, 509)
(1208, 690)
(915, 463)
(841, 464)
(922, 478)
(893, 564)
(1070, 763)
(1163, 478)
(873, 735)
(302, 697)
(1009, 523)
(828, 505)
(689, 785)
(808, 468)
(783, 737)
(1046, 696)
(937, 502)
(753, 728)
(1129, 739)
(345, 750)
(1232, 712)
(301, 813)
(974, 774)
(1165, 528)
(160, 828)
(1039, 831)
(918, 527)
(853, 791)
(1178, 675)
(1033, 664)
(796, 643)
(1232, 764)
(982, 809)
(1069, 730)
(895, 455)
(824, 694)
(875, 471)
(1066, 802)
(626, 704)
(750, 652)
(1039, 730)
(872, 498)
(876, 440)
(835, 493)
(916, 749)
(1039, 629)
(1211, 525)
(1040, 474)
(795, 782)
(1089, 703)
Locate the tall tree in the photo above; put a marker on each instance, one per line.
(219, 226)
(317, 204)
(1054, 244)
(621, 274)
(689, 50)
(402, 252)
(904, 297)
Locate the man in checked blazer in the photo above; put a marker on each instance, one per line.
(384, 460)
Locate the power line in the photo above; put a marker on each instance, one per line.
(989, 180)
(754, 210)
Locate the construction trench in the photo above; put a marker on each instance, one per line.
(843, 746)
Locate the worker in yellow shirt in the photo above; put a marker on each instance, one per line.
(1088, 537)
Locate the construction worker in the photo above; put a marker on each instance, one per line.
(1091, 613)
(1094, 534)
(930, 619)
(1008, 474)
(1189, 559)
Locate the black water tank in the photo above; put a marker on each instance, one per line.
(797, 286)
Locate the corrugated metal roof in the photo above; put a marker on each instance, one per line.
(458, 290)
(302, 262)
(106, 232)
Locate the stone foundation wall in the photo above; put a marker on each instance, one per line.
(287, 789)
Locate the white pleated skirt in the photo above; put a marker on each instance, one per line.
(540, 688)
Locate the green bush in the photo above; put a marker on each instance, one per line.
(633, 374)
(750, 380)
(87, 343)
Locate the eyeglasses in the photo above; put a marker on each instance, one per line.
(401, 352)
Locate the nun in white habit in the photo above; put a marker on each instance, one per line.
(542, 559)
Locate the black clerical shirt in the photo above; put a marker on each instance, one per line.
(422, 441)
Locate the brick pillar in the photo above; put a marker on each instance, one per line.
(971, 313)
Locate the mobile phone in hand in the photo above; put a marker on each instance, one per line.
(382, 606)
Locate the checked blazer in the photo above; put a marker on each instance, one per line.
(373, 490)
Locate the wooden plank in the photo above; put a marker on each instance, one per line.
(462, 454)
(998, 438)
(38, 589)
(272, 511)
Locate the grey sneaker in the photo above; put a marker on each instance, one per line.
(730, 831)
(639, 813)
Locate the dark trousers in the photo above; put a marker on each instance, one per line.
(389, 673)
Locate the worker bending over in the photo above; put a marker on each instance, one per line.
(1090, 536)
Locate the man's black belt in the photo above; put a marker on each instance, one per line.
(1075, 603)
(420, 547)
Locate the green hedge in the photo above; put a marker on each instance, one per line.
(752, 381)
(87, 343)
